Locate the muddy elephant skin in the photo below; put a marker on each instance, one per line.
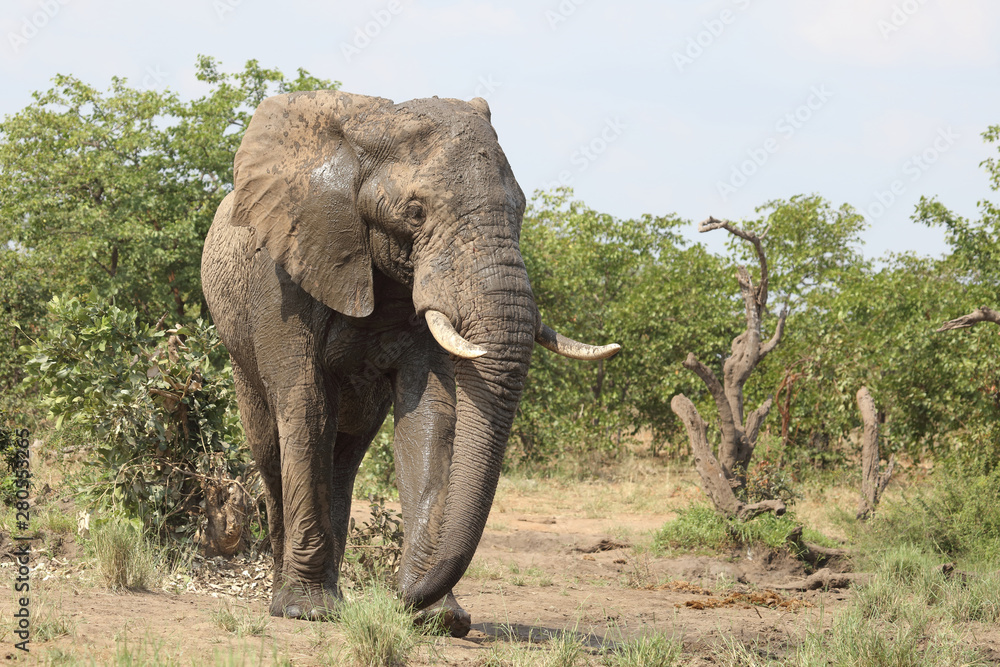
(354, 222)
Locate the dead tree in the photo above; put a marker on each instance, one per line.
(975, 317)
(873, 482)
(722, 474)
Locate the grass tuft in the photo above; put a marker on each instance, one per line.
(241, 622)
(378, 630)
(47, 624)
(125, 559)
(657, 650)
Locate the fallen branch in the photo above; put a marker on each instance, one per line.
(826, 578)
(813, 554)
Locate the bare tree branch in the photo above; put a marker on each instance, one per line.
(756, 418)
(975, 317)
(779, 330)
(727, 422)
(738, 437)
(712, 223)
(747, 512)
(713, 477)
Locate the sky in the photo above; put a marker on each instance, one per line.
(693, 108)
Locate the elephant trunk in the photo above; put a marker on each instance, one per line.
(502, 320)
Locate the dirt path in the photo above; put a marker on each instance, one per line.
(534, 575)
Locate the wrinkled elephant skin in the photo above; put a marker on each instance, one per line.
(353, 223)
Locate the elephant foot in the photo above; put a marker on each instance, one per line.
(449, 614)
(307, 604)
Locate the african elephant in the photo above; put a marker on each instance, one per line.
(367, 256)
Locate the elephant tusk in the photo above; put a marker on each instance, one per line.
(568, 347)
(445, 334)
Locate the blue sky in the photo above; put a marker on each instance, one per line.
(698, 108)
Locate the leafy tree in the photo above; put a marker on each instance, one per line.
(601, 279)
(115, 191)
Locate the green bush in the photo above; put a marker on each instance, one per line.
(377, 474)
(8, 461)
(375, 548)
(955, 517)
(160, 404)
(702, 528)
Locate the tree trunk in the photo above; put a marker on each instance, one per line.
(873, 482)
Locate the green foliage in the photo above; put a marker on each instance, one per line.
(162, 408)
(700, 528)
(377, 474)
(374, 549)
(8, 461)
(955, 517)
(600, 279)
(114, 191)
(857, 324)
(809, 245)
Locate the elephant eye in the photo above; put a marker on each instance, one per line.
(415, 212)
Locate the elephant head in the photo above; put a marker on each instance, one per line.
(338, 186)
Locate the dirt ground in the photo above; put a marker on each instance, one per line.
(556, 557)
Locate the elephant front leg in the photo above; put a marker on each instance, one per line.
(307, 428)
(422, 445)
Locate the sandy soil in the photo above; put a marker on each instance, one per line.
(555, 558)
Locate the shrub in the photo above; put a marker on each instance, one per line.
(374, 549)
(8, 461)
(377, 474)
(956, 517)
(766, 480)
(702, 528)
(160, 403)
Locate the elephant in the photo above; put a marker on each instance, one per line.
(367, 256)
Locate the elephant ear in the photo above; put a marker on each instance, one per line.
(296, 178)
